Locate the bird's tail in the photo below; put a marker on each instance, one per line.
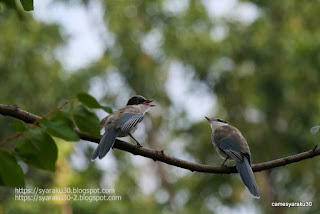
(105, 144)
(247, 177)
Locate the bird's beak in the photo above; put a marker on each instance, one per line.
(209, 119)
(148, 103)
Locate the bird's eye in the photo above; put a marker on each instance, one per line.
(223, 121)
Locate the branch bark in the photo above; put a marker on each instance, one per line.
(16, 112)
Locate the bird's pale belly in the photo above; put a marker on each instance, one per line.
(221, 153)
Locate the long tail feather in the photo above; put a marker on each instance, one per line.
(247, 177)
(105, 144)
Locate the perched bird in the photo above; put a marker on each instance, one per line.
(229, 143)
(121, 123)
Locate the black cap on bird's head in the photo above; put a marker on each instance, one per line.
(137, 99)
(217, 120)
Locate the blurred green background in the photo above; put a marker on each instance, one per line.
(253, 63)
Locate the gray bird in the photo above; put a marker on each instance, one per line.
(121, 123)
(229, 143)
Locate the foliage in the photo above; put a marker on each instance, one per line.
(10, 172)
(26, 4)
(91, 102)
(264, 75)
(60, 125)
(37, 148)
(86, 120)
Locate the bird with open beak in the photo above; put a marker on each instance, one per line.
(230, 144)
(121, 123)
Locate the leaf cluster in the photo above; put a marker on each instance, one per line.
(36, 145)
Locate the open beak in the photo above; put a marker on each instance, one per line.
(148, 103)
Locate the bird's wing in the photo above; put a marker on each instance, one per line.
(234, 147)
(103, 121)
(129, 120)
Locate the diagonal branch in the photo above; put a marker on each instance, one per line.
(16, 112)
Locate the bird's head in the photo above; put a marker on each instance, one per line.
(137, 99)
(217, 122)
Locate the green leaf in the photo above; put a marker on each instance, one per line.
(91, 102)
(27, 4)
(60, 125)
(88, 100)
(86, 120)
(10, 3)
(19, 126)
(11, 173)
(107, 109)
(314, 130)
(38, 149)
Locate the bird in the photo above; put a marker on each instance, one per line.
(121, 123)
(230, 144)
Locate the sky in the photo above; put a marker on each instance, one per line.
(88, 37)
(87, 34)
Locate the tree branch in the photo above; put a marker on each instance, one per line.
(16, 112)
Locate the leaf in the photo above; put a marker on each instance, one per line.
(88, 100)
(38, 149)
(107, 109)
(314, 130)
(10, 3)
(11, 173)
(91, 102)
(27, 4)
(60, 125)
(86, 121)
(19, 126)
